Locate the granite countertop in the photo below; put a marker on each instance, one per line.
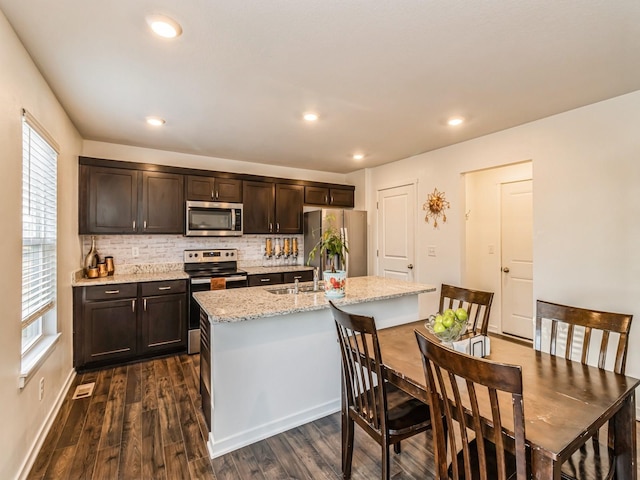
(275, 269)
(163, 272)
(236, 305)
(79, 281)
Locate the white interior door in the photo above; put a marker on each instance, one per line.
(516, 220)
(396, 227)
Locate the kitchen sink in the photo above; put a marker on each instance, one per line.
(291, 290)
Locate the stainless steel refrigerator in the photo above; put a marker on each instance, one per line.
(352, 224)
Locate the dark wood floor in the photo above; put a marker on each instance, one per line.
(144, 422)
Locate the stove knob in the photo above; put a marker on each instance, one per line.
(196, 255)
(190, 255)
(226, 254)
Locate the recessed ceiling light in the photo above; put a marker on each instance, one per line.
(164, 26)
(454, 122)
(358, 156)
(310, 117)
(155, 121)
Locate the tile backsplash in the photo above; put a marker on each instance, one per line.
(161, 249)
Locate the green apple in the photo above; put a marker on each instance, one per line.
(439, 327)
(448, 320)
(449, 313)
(438, 318)
(461, 314)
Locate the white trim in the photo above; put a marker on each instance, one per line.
(399, 183)
(31, 456)
(36, 357)
(33, 123)
(260, 432)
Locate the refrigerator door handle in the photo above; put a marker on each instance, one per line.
(345, 239)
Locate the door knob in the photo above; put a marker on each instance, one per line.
(505, 269)
(410, 266)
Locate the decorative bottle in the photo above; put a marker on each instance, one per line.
(91, 260)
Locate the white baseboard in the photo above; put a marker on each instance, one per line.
(44, 429)
(247, 437)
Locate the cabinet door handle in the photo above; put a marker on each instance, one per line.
(134, 224)
(111, 292)
(217, 194)
(278, 227)
(326, 199)
(133, 305)
(270, 227)
(144, 304)
(144, 225)
(164, 288)
(265, 279)
(331, 199)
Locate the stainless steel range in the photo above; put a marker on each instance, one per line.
(207, 270)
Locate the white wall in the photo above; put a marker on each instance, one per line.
(22, 415)
(586, 191)
(481, 269)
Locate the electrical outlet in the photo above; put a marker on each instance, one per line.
(41, 391)
(431, 250)
(135, 252)
(492, 249)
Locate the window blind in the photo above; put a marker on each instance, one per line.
(39, 209)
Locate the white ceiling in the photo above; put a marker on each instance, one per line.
(384, 75)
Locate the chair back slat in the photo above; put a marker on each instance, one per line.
(589, 321)
(358, 340)
(473, 412)
(476, 303)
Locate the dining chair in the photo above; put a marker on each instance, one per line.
(477, 304)
(382, 410)
(571, 331)
(486, 442)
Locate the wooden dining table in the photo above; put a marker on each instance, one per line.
(565, 402)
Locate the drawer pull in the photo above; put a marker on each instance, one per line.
(111, 292)
(133, 305)
(145, 304)
(265, 279)
(164, 288)
(297, 277)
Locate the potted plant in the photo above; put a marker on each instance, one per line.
(333, 247)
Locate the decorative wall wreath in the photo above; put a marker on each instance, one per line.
(435, 206)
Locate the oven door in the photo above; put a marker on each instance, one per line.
(203, 284)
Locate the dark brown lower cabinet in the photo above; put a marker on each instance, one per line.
(262, 279)
(118, 323)
(163, 323)
(205, 367)
(109, 330)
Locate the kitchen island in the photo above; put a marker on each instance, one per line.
(273, 361)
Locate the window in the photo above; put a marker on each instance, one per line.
(39, 208)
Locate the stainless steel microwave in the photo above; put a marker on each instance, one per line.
(213, 219)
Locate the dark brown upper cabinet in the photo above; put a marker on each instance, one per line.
(272, 208)
(258, 209)
(108, 200)
(214, 189)
(115, 200)
(288, 208)
(162, 205)
(329, 196)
